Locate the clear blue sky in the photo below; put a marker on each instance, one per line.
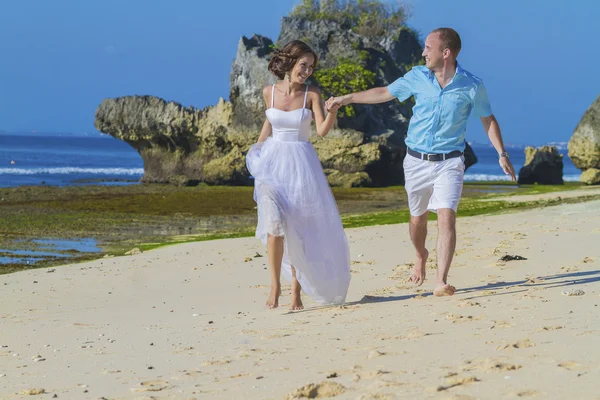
(60, 58)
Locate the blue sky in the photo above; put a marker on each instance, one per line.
(59, 59)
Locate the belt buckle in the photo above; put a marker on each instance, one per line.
(429, 157)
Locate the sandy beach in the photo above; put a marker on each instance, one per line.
(188, 321)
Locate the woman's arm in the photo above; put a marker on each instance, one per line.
(323, 123)
(266, 130)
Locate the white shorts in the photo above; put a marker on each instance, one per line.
(432, 185)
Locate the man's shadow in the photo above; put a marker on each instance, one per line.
(543, 282)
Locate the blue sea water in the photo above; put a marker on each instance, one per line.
(67, 160)
(27, 159)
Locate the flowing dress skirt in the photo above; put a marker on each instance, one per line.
(294, 200)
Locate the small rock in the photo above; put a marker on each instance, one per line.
(508, 257)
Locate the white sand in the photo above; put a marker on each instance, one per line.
(189, 322)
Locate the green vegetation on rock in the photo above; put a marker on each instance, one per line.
(370, 18)
(346, 77)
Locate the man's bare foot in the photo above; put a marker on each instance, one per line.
(444, 290)
(273, 299)
(418, 274)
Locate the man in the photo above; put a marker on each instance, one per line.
(445, 95)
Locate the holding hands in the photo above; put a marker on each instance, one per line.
(334, 103)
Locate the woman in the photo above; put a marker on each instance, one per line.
(298, 218)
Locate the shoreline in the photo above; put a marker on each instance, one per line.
(164, 215)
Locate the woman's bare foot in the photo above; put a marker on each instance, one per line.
(296, 296)
(273, 299)
(418, 274)
(443, 289)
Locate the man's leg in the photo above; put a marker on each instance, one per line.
(419, 187)
(418, 234)
(446, 196)
(446, 243)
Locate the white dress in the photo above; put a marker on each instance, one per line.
(295, 201)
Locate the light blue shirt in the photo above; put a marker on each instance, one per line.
(440, 115)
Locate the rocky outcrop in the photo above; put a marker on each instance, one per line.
(584, 146)
(178, 144)
(590, 176)
(186, 146)
(543, 166)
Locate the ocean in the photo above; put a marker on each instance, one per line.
(61, 160)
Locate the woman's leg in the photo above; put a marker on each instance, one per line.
(296, 293)
(275, 255)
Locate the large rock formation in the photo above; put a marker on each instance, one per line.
(178, 144)
(543, 165)
(584, 146)
(186, 146)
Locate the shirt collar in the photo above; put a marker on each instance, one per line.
(459, 71)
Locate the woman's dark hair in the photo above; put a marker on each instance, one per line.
(285, 59)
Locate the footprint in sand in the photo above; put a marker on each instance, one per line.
(520, 344)
(569, 269)
(490, 365)
(456, 381)
(317, 390)
(551, 328)
(216, 362)
(376, 353)
(370, 374)
(469, 304)
(456, 318)
(527, 393)
(570, 365)
(151, 386)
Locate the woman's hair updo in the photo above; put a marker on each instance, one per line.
(285, 59)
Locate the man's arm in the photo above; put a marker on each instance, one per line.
(371, 96)
(401, 88)
(490, 124)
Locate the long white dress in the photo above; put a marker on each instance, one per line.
(295, 201)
